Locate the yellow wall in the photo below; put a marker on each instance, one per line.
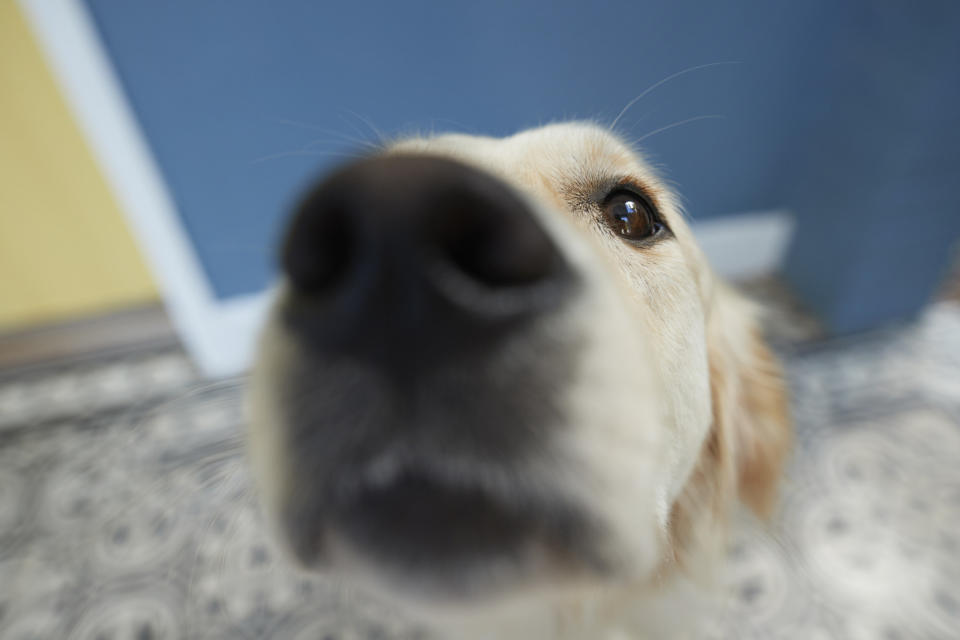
(65, 249)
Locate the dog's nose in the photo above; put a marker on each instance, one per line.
(418, 249)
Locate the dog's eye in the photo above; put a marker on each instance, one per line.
(630, 216)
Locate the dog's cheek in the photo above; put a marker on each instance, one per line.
(672, 315)
(751, 428)
(615, 431)
(744, 452)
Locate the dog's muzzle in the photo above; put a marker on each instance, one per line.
(404, 260)
(428, 370)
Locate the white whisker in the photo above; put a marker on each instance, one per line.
(664, 81)
(381, 140)
(360, 141)
(675, 124)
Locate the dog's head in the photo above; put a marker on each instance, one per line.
(501, 364)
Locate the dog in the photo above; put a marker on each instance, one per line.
(501, 386)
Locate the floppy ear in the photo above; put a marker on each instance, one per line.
(751, 432)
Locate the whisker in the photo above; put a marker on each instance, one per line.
(381, 139)
(330, 132)
(458, 126)
(664, 81)
(320, 141)
(676, 124)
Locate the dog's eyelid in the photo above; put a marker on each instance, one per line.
(603, 188)
(629, 184)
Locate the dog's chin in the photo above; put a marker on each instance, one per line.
(417, 537)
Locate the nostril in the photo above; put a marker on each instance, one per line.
(397, 231)
(492, 245)
(319, 248)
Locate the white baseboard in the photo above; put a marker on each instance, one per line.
(746, 245)
(217, 333)
(220, 334)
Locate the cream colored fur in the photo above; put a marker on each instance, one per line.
(676, 408)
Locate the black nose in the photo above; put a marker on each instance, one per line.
(417, 249)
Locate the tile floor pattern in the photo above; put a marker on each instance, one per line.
(125, 510)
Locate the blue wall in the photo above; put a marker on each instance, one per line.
(808, 113)
(874, 168)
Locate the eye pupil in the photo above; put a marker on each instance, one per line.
(630, 217)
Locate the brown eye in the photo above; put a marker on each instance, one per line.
(630, 216)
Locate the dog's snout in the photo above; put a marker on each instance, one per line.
(414, 242)
(428, 209)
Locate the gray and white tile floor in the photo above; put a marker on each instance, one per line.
(126, 513)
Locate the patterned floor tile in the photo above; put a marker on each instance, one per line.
(126, 509)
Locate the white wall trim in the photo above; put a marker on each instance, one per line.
(220, 334)
(746, 245)
(217, 333)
